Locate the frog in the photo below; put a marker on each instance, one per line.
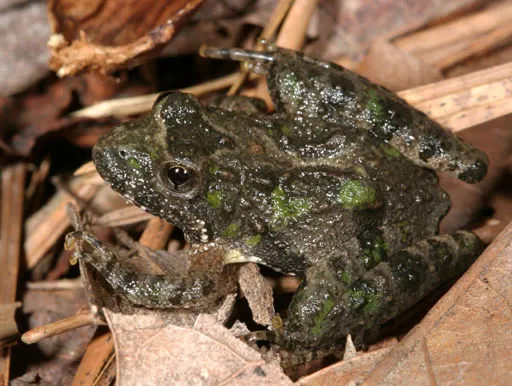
(337, 186)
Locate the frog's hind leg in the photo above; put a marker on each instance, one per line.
(386, 290)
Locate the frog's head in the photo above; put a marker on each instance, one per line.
(162, 162)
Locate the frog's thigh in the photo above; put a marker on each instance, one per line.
(323, 312)
(410, 274)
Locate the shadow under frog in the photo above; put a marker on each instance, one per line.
(337, 187)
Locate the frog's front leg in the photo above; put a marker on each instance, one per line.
(323, 313)
(153, 291)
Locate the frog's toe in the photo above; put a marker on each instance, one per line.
(474, 170)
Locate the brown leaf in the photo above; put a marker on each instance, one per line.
(150, 351)
(105, 35)
(258, 293)
(466, 338)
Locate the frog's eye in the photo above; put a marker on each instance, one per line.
(181, 178)
(178, 175)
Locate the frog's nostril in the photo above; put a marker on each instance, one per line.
(123, 153)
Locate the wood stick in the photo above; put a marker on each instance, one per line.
(11, 227)
(60, 326)
(98, 355)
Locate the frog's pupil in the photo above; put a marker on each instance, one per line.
(177, 175)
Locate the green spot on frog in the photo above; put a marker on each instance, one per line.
(214, 169)
(373, 302)
(390, 151)
(364, 298)
(319, 320)
(403, 227)
(353, 194)
(286, 209)
(214, 198)
(252, 241)
(134, 163)
(286, 130)
(374, 105)
(346, 277)
(231, 230)
(377, 251)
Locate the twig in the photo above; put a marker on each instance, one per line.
(62, 284)
(156, 234)
(293, 32)
(13, 185)
(60, 326)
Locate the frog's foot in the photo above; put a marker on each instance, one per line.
(257, 61)
(382, 293)
(152, 291)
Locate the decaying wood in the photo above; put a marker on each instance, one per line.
(98, 355)
(13, 186)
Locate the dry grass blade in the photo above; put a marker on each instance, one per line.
(13, 185)
(45, 227)
(142, 104)
(465, 101)
(124, 216)
(98, 355)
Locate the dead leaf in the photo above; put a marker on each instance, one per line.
(151, 352)
(466, 338)
(350, 372)
(258, 293)
(106, 35)
(395, 69)
(495, 139)
(349, 27)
